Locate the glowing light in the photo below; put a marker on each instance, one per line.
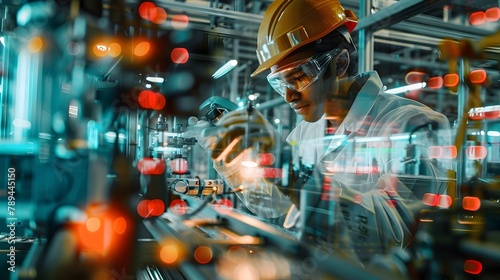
(120, 225)
(471, 203)
(477, 76)
(21, 123)
(492, 14)
(430, 199)
(160, 102)
(406, 88)
(473, 267)
(179, 165)
(93, 224)
(451, 80)
(224, 69)
(277, 121)
(179, 55)
(477, 18)
(148, 99)
(156, 207)
(169, 254)
(180, 21)
(476, 152)
(142, 208)
(179, 207)
(203, 254)
(449, 152)
(35, 44)
(115, 49)
(444, 201)
(155, 79)
(266, 158)
(146, 10)
(249, 163)
(435, 82)
(159, 15)
(151, 166)
(142, 48)
(100, 49)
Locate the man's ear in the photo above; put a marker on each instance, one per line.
(343, 60)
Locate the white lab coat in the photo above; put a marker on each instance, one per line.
(361, 164)
(371, 203)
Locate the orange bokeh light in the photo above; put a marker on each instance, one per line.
(471, 203)
(451, 80)
(170, 253)
(35, 44)
(120, 225)
(444, 201)
(203, 254)
(115, 49)
(100, 49)
(430, 199)
(492, 14)
(477, 18)
(435, 82)
(142, 48)
(93, 224)
(179, 55)
(477, 76)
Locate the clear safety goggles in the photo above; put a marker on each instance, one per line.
(299, 75)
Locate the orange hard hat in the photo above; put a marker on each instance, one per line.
(289, 24)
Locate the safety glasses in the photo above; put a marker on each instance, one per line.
(299, 75)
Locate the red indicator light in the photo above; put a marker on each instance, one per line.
(179, 207)
(471, 203)
(492, 114)
(147, 10)
(473, 267)
(159, 15)
(430, 199)
(142, 208)
(435, 83)
(476, 152)
(477, 76)
(179, 55)
(444, 201)
(492, 14)
(156, 207)
(180, 21)
(266, 159)
(179, 165)
(449, 152)
(451, 80)
(477, 18)
(151, 166)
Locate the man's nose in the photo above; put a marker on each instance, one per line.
(291, 95)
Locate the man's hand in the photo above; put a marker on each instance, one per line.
(242, 130)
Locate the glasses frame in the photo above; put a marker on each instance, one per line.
(318, 62)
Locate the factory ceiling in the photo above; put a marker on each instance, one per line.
(405, 40)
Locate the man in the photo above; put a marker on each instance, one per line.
(354, 199)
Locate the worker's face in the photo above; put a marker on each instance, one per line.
(310, 102)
